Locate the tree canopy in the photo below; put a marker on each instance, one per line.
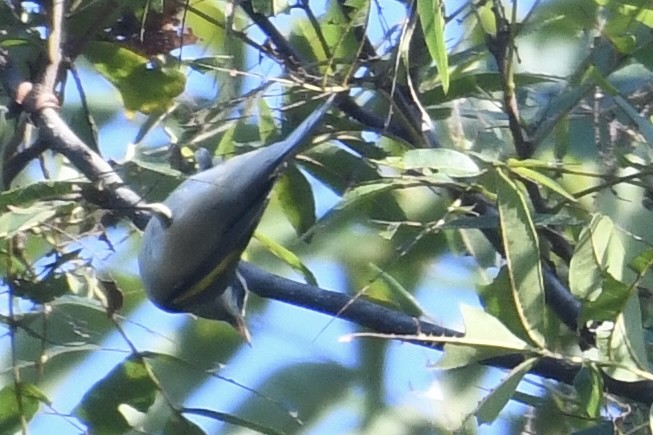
(480, 191)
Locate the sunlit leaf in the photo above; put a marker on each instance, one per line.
(485, 337)
(22, 219)
(449, 162)
(498, 300)
(143, 86)
(431, 16)
(543, 180)
(609, 303)
(521, 245)
(626, 346)
(39, 191)
(595, 269)
(642, 262)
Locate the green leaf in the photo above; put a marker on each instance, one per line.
(492, 404)
(22, 219)
(446, 161)
(642, 262)
(209, 63)
(498, 300)
(269, 8)
(295, 195)
(129, 383)
(485, 337)
(477, 83)
(406, 301)
(589, 387)
(542, 180)
(11, 412)
(39, 191)
(364, 192)
(337, 168)
(598, 252)
(625, 345)
(432, 18)
(609, 303)
(227, 142)
(486, 222)
(522, 251)
(287, 257)
(144, 87)
(266, 126)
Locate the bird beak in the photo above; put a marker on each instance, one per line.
(241, 327)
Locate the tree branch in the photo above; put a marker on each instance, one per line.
(110, 191)
(396, 325)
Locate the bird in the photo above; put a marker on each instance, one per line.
(191, 247)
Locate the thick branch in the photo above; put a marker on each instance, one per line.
(110, 191)
(396, 324)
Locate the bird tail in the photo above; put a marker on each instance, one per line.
(292, 143)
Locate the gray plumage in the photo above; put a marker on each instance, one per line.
(189, 263)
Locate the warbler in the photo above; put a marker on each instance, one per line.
(190, 251)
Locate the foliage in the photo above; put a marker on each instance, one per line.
(514, 137)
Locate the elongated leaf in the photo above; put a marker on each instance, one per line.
(295, 195)
(499, 301)
(626, 346)
(432, 18)
(12, 412)
(143, 87)
(27, 195)
(484, 327)
(446, 161)
(543, 180)
(589, 386)
(287, 257)
(609, 303)
(406, 301)
(595, 270)
(449, 162)
(492, 404)
(364, 192)
(266, 126)
(486, 337)
(522, 250)
(22, 219)
(128, 383)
